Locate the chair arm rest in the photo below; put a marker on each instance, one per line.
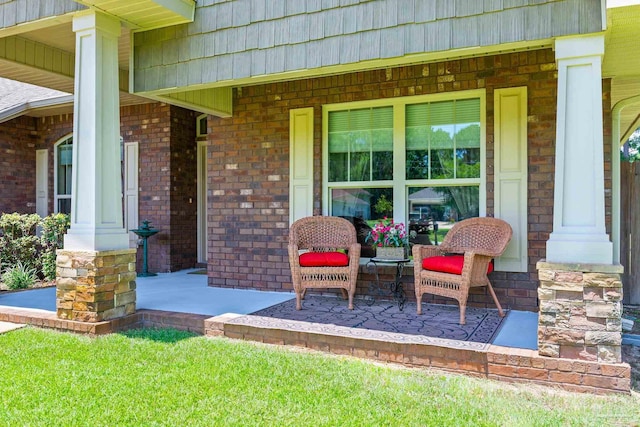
(294, 255)
(421, 252)
(354, 253)
(475, 264)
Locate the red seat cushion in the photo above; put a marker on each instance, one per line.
(451, 264)
(324, 259)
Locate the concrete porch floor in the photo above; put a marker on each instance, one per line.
(183, 292)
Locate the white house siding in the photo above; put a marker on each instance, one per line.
(238, 39)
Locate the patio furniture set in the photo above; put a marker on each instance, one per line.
(324, 253)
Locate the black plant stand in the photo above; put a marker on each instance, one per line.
(145, 232)
(393, 288)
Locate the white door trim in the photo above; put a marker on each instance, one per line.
(201, 160)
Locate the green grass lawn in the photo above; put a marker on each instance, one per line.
(164, 377)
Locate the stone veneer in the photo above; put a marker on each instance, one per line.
(93, 286)
(580, 311)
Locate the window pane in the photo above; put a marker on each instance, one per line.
(468, 138)
(202, 126)
(369, 204)
(360, 167)
(364, 136)
(382, 165)
(445, 203)
(443, 125)
(443, 139)
(442, 164)
(418, 164)
(468, 163)
(64, 206)
(434, 210)
(338, 167)
(64, 154)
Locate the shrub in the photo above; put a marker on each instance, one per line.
(53, 228)
(19, 276)
(19, 242)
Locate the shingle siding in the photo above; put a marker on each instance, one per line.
(15, 12)
(239, 28)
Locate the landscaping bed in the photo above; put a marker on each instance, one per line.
(35, 285)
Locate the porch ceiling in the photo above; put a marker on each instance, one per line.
(59, 42)
(622, 62)
(147, 14)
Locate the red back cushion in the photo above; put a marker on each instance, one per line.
(451, 264)
(324, 259)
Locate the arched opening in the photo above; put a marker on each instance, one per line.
(625, 193)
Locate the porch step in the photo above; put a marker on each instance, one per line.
(476, 359)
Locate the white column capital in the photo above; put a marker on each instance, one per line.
(90, 19)
(577, 47)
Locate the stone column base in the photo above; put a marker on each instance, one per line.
(92, 286)
(580, 311)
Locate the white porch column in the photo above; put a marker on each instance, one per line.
(96, 212)
(579, 233)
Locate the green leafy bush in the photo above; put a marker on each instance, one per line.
(18, 242)
(53, 228)
(22, 251)
(19, 276)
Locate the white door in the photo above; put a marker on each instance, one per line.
(202, 201)
(131, 190)
(42, 180)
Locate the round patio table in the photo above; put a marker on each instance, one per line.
(393, 288)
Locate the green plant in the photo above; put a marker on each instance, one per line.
(19, 276)
(630, 151)
(19, 241)
(53, 228)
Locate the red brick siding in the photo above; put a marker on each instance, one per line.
(18, 141)
(166, 137)
(149, 125)
(52, 129)
(249, 163)
(167, 177)
(183, 193)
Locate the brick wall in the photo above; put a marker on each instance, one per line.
(149, 125)
(183, 190)
(18, 140)
(167, 177)
(52, 129)
(249, 162)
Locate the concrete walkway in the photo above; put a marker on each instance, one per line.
(179, 292)
(6, 326)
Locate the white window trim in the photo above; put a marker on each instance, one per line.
(399, 184)
(56, 196)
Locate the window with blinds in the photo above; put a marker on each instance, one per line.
(443, 140)
(416, 159)
(361, 145)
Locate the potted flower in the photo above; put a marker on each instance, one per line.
(389, 238)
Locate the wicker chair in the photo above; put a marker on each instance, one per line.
(480, 240)
(320, 235)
